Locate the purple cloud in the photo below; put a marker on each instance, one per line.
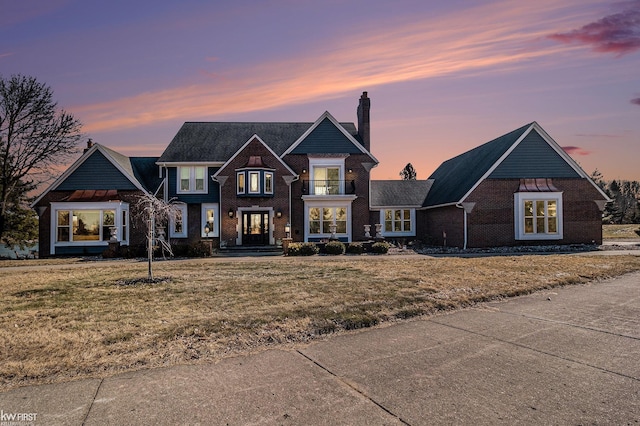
(635, 101)
(575, 150)
(618, 33)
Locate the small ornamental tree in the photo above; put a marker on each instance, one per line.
(154, 211)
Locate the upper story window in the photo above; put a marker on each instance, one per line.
(327, 177)
(257, 183)
(192, 179)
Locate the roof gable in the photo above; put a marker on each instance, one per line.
(327, 136)
(533, 158)
(247, 147)
(101, 168)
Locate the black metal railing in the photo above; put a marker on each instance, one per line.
(328, 187)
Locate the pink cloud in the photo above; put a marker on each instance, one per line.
(575, 150)
(618, 33)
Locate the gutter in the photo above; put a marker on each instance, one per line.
(467, 207)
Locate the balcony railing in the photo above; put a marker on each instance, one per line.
(328, 187)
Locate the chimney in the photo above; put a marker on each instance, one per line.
(89, 145)
(364, 129)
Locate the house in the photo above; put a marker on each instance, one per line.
(257, 183)
(520, 188)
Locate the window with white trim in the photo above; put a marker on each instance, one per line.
(538, 215)
(209, 220)
(254, 182)
(241, 186)
(268, 183)
(178, 222)
(86, 223)
(398, 222)
(192, 179)
(321, 219)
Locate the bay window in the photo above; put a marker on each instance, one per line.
(88, 223)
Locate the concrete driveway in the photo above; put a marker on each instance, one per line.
(564, 356)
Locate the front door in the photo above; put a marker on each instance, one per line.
(255, 228)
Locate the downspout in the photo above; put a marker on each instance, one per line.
(467, 207)
(459, 205)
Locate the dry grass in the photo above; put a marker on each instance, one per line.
(618, 232)
(58, 323)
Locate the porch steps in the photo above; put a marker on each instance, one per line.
(251, 251)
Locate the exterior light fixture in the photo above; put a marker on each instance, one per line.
(279, 213)
(231, 213)
(287, 230)
(304, 171)
(207, 229)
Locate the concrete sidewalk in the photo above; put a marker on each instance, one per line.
(564, 356)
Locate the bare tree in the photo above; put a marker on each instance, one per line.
(155, 213)
(35, 136)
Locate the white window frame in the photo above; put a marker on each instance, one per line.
(403, 233)
(121, 217)
(519, 211)
(250, 174)
(266, 190)
(215, 232)
(324, 163)
(192, 180)
(327, 204)
(172, 222)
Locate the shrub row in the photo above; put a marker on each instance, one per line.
(337, 248)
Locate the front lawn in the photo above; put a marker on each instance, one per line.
(87, 319)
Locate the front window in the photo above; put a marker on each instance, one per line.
(209, 220)
(326, 181)
(538, 215)
(241, 187)
(178, 222)
(268, 183)
(398, 221)
(89, 223)
(192, 179)
(321, 219)
(254, 182)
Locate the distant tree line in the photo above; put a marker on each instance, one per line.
(625, 207)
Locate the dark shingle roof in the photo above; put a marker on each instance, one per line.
(404, 193)
(218, 141)
(455, 177)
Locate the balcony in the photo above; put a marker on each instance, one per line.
(328, 187)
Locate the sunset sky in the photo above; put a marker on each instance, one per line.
(443, 76)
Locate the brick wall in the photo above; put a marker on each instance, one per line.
(229, 227)
(491, 222)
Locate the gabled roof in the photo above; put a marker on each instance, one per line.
(456, 178)
(329, 125)
(399, 193)
(219, 141)
(235, 154)
(141, 172)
